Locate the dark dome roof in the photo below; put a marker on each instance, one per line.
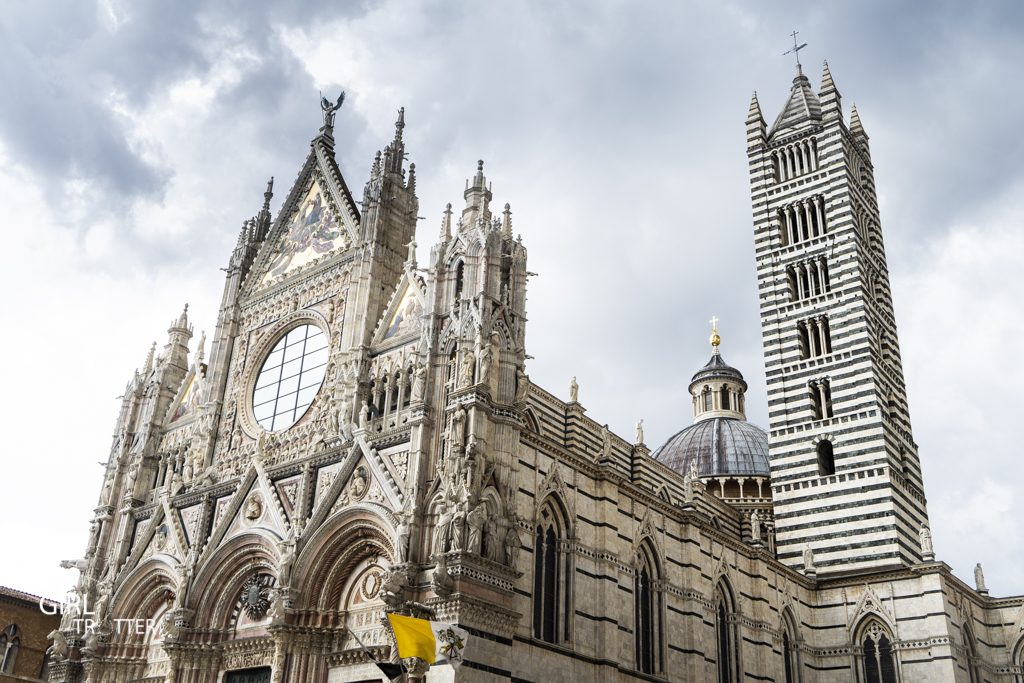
(717, 367)
(721, 446)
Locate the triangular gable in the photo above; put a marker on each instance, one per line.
(318, 220)
(402, 315)
(186, 402)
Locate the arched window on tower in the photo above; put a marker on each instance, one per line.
(709, 401)
(647, 634)
(877, 663)
(10, 643)
(826, 458)
(725, 635)
(723, 398)
(551, 574)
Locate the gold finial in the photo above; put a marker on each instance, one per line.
(715, 339)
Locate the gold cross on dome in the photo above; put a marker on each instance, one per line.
(714, 322)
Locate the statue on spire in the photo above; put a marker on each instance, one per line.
(330, 110)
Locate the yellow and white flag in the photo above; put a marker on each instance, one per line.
(432, 641)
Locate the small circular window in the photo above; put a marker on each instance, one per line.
(290, 377)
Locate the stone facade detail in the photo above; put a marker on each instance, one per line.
(426, 474)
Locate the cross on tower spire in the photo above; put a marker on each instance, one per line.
(795, 50)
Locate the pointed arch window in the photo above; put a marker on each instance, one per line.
(648, 634)
(551, 575)
(878, 661)
(971, 646)
(790, 656)
(10, 644)
(725, 635)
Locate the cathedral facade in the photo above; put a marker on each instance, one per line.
(361, 437)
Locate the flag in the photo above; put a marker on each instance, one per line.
(432, 641)
(391, 670)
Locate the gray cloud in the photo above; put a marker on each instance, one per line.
(614, 129)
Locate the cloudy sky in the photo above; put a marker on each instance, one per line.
(136, 137)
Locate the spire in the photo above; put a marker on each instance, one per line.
(446, 223)
(506, 222)
(757, 131)
(263, 217)
(478, 197)
(200, 353)
(827, 84)
(830, 97)
(148, 365)
(411, 185)
(182, 322)
(802, 109)
(754, 112)
(394, 154)
(855, 125)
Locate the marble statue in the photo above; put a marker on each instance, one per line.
(574, 390)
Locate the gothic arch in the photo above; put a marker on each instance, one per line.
(648, 608)
(971, 652)
(726, 637)
(873, 642)
(331, 553)
(552, 570)
(146, 590)
(790, 641)
(218, 584)
(531, 420)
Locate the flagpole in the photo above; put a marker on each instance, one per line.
(366, 650)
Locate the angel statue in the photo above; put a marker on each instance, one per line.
(330, 109)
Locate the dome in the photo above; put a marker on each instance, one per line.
(717, 368)
(721, 446)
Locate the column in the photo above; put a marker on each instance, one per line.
(813, 338)
(820, 209)
(800, 231)
(825, 412)
(826, 341)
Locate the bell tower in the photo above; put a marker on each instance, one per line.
(845, 472)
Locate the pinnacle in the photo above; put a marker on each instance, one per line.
(827, 84)
(754, 112)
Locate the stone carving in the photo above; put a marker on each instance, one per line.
(979, 578)
(927, 551)
(492, 543)
(513, 544)
(522, 385)
(59, 649)
(458, 427)
(574, 390)
(392, 588)
(364, 415)
(284, 565)
(160, 538)
(419, 383)
(458, 532)
(360, 482)
(475, 521)
(809, 568)
(606, 442)
(441, 529)
(404, 532)
(755, 527)
(466, 370)
(254, 508)
(330, 110)
(441, 582)
(275, 612)
(639, 438)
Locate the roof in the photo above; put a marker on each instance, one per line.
(717, 367)
(721, 446)
(15, 594)
(802, 106)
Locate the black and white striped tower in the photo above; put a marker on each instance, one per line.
(845, 473)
